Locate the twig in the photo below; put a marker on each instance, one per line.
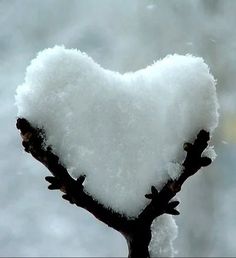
(33, 142)
(160, 201)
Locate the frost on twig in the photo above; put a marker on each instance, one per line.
(137, 231)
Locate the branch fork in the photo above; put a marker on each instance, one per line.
(137, 231)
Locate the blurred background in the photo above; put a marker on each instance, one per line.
(121, 36)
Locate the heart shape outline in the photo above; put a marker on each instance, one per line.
(59, 71)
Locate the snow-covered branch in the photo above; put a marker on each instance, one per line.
(137, 231)
(33, 142)
(161, 201)
(110, 138)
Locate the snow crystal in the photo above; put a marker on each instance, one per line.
(123, 131)
(164, 232)
(210, 153)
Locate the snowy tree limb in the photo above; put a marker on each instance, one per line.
(160, 201)
(137, 231)
(33, 143)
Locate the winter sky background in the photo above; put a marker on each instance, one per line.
(121, 36)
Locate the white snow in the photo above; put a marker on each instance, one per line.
(210, 153)
(125, 132)
(164, 232)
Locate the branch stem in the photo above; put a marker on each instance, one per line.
(137, 231)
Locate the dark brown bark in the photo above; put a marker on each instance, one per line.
(136, 231)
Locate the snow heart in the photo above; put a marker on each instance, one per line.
(125, 132)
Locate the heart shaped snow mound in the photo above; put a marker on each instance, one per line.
(125, 132)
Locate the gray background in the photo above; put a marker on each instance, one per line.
(122, 36)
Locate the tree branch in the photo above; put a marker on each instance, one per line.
(161, 201)
(33, 142)
(137, 231)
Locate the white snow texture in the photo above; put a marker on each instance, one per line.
(164, 232)
(125, 132)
